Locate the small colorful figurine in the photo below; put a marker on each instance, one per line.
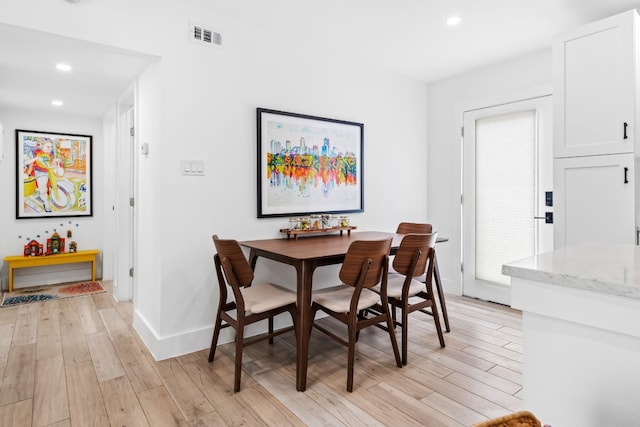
(33, 248)
(55, 244)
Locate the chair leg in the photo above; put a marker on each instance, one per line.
(352, 354)
(443, 305)
(214, 340)
(294, 317)
(405, 332)
(436, 320)
(312, 316)
(238, 362)
(361, 316)
(392, 334)
(271, 330)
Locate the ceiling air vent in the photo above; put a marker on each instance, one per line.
(201, 34)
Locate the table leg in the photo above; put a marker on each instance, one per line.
(304, 283)
(253, 258)
(10, 278)
(443, 305)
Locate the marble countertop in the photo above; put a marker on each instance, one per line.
(607, 268)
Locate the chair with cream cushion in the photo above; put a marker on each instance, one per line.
(365, 265)
(415, 255)
(411, 228)
(425, 228)
(252, 302)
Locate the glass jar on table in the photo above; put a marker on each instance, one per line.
(316, 222)
(305, 223)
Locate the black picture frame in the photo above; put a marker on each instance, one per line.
(308, 164)
(54, 174)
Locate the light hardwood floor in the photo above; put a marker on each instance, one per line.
(78, 362)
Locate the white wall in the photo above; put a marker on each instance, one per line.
(199, 103)
(500, 83)
(1, 139)
(15, 233)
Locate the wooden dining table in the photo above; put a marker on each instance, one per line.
(305, 255)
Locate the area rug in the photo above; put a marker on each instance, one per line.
(50, 292)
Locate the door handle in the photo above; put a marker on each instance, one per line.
(626, 177)
(625, 130)
(548, 217)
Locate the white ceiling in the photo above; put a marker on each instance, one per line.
(407, 37)
(28, 78)
(411, 37)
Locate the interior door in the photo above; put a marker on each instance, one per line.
(125, 183)
(507, 194)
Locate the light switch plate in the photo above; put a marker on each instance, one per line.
(192, 167)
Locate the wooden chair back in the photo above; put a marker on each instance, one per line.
(372, 255)
(414, 252)
(236, 267)
(414, 228)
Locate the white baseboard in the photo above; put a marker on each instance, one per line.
(162, 348)
(174, 345)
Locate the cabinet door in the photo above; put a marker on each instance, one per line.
(594, 88)
(594, 200)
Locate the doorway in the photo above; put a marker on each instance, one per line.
(125, 219)
(507, 180)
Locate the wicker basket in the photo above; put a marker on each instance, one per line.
(517, 419)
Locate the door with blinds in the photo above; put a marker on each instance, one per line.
(507, 210)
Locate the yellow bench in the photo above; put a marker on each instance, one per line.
(21, 261)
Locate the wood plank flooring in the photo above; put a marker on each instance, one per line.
(78, 362)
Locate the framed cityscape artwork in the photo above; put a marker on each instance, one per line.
(308, 164)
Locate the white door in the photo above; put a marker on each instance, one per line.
(125, 213)
(507, 181)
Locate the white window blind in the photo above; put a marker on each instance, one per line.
(505, 192)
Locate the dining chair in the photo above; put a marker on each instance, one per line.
(252, 302)
(365, 265)
(424, 228)
(415, 255)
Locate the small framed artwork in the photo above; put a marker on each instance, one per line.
(53, 174)
(308, 164)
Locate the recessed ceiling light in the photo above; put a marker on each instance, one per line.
(57, 103)
(63, 67)
(453, 21)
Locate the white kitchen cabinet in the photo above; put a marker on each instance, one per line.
(595, 132)
(594, 200)
(594, 88)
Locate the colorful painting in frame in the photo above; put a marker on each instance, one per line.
(308, 164)
(53, 174)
